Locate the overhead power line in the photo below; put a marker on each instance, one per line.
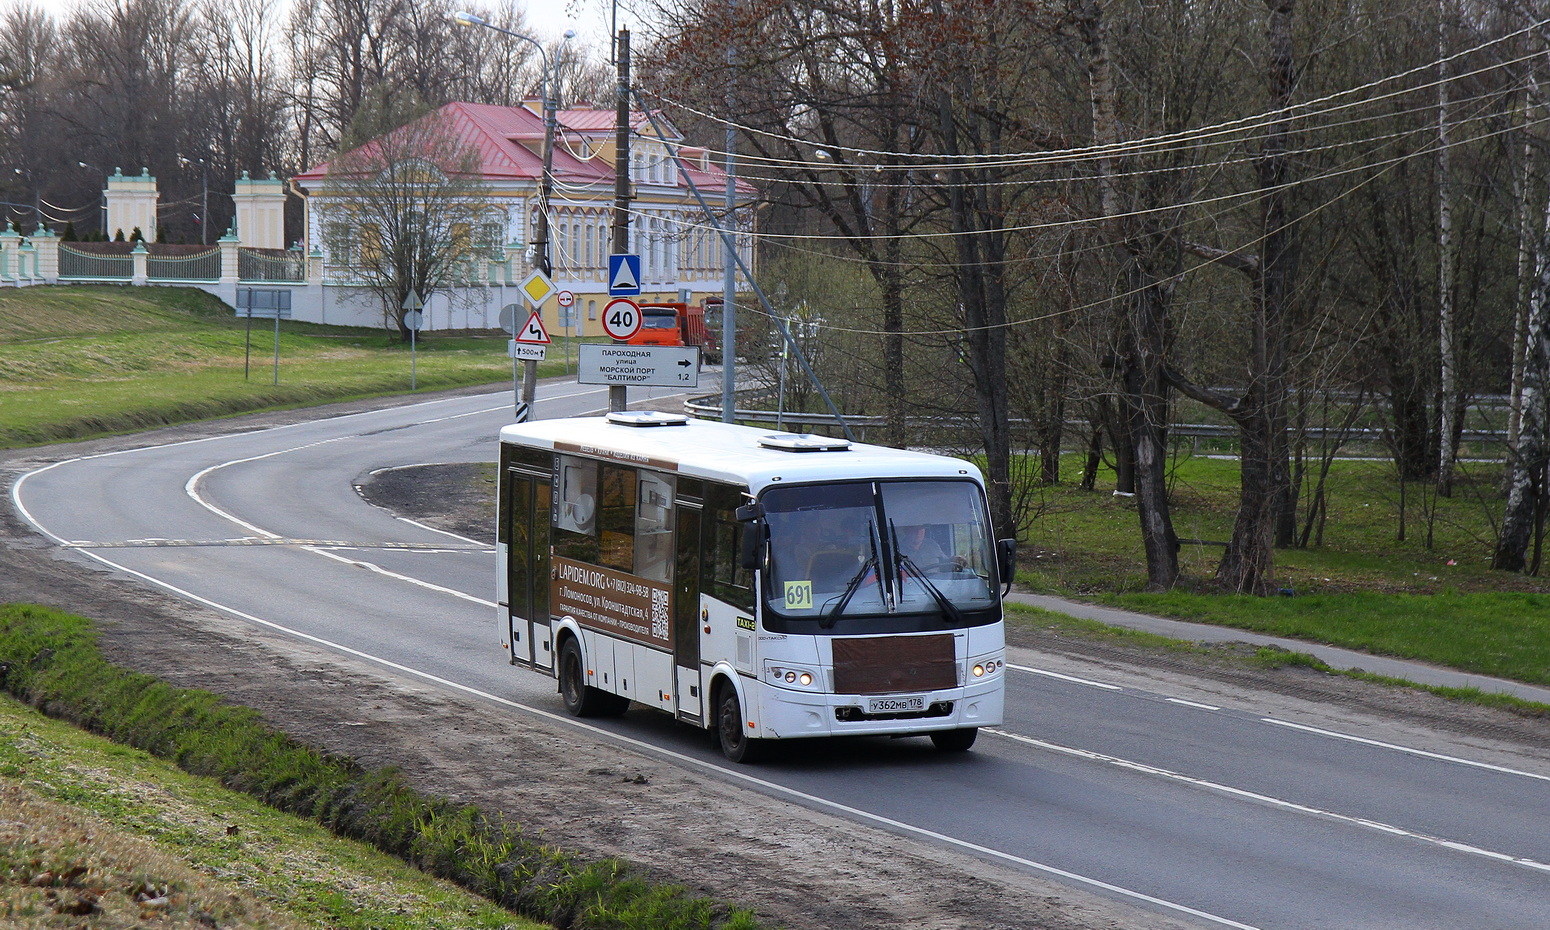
(1156, 144)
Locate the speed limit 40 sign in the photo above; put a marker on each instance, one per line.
(621, 318)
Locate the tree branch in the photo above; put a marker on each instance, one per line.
(1248, 264)
(1231, 406)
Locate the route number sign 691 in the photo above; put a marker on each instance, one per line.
(621, 318)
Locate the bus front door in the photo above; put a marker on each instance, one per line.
(527, 583)
(686, 617)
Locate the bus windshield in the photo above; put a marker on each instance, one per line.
(917, 549)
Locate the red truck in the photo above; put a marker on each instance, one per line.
(677, 324)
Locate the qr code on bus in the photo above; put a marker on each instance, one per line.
(659, 618)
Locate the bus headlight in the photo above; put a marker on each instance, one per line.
(987, 667)
(791, 676)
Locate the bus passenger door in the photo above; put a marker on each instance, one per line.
(686, 616)
(527, 583)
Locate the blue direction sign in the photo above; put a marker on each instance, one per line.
(624, 275)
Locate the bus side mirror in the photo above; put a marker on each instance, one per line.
(752, 556)
(751, 516)
(1006, 560)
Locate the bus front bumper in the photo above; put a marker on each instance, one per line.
(788, 714)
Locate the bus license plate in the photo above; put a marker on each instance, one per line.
(898, 704)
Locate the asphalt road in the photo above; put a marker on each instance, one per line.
(1224, 816)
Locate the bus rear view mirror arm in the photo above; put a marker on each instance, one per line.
(1006, 559)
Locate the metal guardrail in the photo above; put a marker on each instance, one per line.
(708, 407)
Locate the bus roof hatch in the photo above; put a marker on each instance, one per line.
(647, 418)
(803, 442)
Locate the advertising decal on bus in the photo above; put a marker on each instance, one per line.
(613, 602)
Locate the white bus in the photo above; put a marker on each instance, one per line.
(759, 586)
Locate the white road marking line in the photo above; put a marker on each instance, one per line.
(1073, 678)
(685, 760)
(1174, 700)
(1334, 734)
(456, 536)
(1293, 806)
(370, 566)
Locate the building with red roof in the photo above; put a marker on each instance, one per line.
(681, 252)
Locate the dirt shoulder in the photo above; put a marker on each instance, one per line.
(797, 867)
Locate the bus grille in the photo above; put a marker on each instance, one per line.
(893, 664)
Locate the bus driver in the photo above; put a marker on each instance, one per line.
(927, 554)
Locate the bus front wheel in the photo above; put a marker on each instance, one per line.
(736, 744)
(955, 740)
(581, 699)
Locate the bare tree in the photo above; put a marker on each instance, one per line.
(405, 212)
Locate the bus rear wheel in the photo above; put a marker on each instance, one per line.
(955, 740)
(581, 699)
(735, 742)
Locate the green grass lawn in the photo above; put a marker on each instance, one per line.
(89, 360)
(1089, 542)
(1430, 595)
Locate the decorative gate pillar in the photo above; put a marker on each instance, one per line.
(46, 241)
(132, 204)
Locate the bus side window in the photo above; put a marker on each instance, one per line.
(575, 508)
(616, 518)
(723, 575)
(654, 527)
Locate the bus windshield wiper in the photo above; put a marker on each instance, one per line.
(854, 585)
(907, 565)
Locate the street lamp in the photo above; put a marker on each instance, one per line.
(546, 180)
(546, 84)
(204, 201)
(91, 167)
(37, 194)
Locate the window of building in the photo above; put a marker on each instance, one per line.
(370, 245)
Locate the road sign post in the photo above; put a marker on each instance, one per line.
(509, 324)
(567, 302)
(412, 320)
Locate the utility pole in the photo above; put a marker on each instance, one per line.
(545, 187)
(729, 249)
(617, 393)
(545, 191)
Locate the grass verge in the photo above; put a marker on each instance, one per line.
(1505, 634)
(50, 660)
(79, 361)
(1262, 657)
(93, 830)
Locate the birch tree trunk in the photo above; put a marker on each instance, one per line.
(1447, 402)
(1527, 464)
(1141, 331)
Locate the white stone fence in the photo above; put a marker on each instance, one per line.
(317, 295)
